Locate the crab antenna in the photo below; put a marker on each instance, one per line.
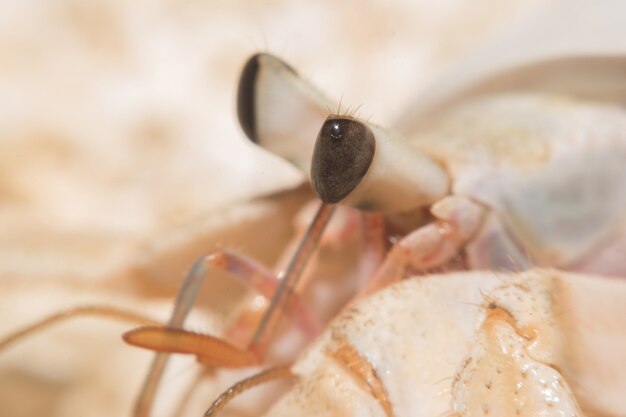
(290, 278)
(244, 385)
(103, 311)
(184, 302)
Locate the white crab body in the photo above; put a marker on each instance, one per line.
(550, 170)
(470, 344)
(541, 171)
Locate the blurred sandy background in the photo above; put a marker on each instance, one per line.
(119, 151)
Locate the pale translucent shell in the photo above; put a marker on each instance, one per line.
(438, 350)
(550, 167)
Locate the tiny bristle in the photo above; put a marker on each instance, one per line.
(349, 112)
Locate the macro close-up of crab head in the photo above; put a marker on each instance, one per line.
(400, 209)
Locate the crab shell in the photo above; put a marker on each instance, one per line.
(550, 170)
(471, 344)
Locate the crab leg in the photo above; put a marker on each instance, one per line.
(373, 236)
(210, 349)
(265, 282)
(346, 224)
(213, 350)
(431, 246)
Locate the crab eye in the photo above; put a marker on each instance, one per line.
(246, 97)
(335, 131)
(343, 152)
(249, 88)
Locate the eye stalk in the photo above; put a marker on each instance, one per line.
(279, 111)
(363, 165)
(247, 91)
(246, 96)
(343, 153)
(354, 163)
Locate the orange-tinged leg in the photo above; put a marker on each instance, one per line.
(346, 225)
(432, 245)
(265, 282)
(165, 340)
(209, 348)
(374, 247)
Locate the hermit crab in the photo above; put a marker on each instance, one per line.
(505, 204)
(505, 180)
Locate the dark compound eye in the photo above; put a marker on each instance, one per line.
(247, 91)
(335, 131)
(343, 153)
(246, 96)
